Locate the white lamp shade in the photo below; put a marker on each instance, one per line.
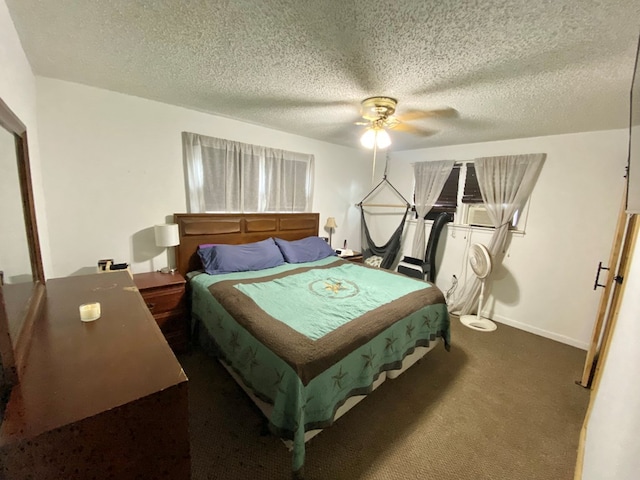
(368, 138)
(383, 139)
(375, 136)
(331, 223)
(167, 235)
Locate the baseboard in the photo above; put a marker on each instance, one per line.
(539, 331)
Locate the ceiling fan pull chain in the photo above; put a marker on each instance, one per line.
(373, 170)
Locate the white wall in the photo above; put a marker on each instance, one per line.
(17, 90)
(545, 284)
(112, 167)
(612, 451)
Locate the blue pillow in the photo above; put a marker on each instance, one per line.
(240, 258)
(304, 250)
(204, 253)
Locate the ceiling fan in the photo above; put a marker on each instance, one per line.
(379, 113)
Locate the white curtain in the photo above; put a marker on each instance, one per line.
(430, 178)
(192, 152)
(505, 184)
(228, 176)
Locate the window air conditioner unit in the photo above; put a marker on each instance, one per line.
(478, 216)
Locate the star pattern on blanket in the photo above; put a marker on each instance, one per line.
(338, 377)
(307, 401)
(278, 382)
(212, 314)
(334, 287)
(368, 359)
(389, 343)
(233, 342)
(410, 329)
(252, 362)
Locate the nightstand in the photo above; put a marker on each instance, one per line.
(165, 296)
(356, 257)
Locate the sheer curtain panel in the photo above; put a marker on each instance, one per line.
(505, 183)
(430, 178)
(192, 154)
(229, 176)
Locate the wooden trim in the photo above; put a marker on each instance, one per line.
(577, 474)
(628, 247)
(602, 319)
(9, 371)
(10, 121)
(23, 342)
(20, 344)
(236, 228)
(28, 207)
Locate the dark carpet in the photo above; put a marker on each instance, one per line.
(499, 406)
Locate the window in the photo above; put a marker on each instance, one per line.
(461, 196)
(471, 188)
(228, 176)
(448, 199)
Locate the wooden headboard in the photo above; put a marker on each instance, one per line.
(236, 228)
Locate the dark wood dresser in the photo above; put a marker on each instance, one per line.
(101, 399)
(165, 296)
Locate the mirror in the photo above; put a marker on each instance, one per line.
(22, 278)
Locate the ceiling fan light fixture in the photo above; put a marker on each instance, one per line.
(383, 139)
(375, 137)
(368, 138)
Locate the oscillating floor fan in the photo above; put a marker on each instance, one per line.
(480, 261)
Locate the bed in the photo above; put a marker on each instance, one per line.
(306, 341)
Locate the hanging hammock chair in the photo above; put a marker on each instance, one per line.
(383, 256)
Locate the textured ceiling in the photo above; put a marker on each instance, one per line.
(510, 68)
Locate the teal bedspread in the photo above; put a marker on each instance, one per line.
(305, 338)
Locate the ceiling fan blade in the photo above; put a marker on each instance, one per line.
(420, 114)
(423, 132)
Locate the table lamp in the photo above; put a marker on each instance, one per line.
(167, 235)
(331, 225)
